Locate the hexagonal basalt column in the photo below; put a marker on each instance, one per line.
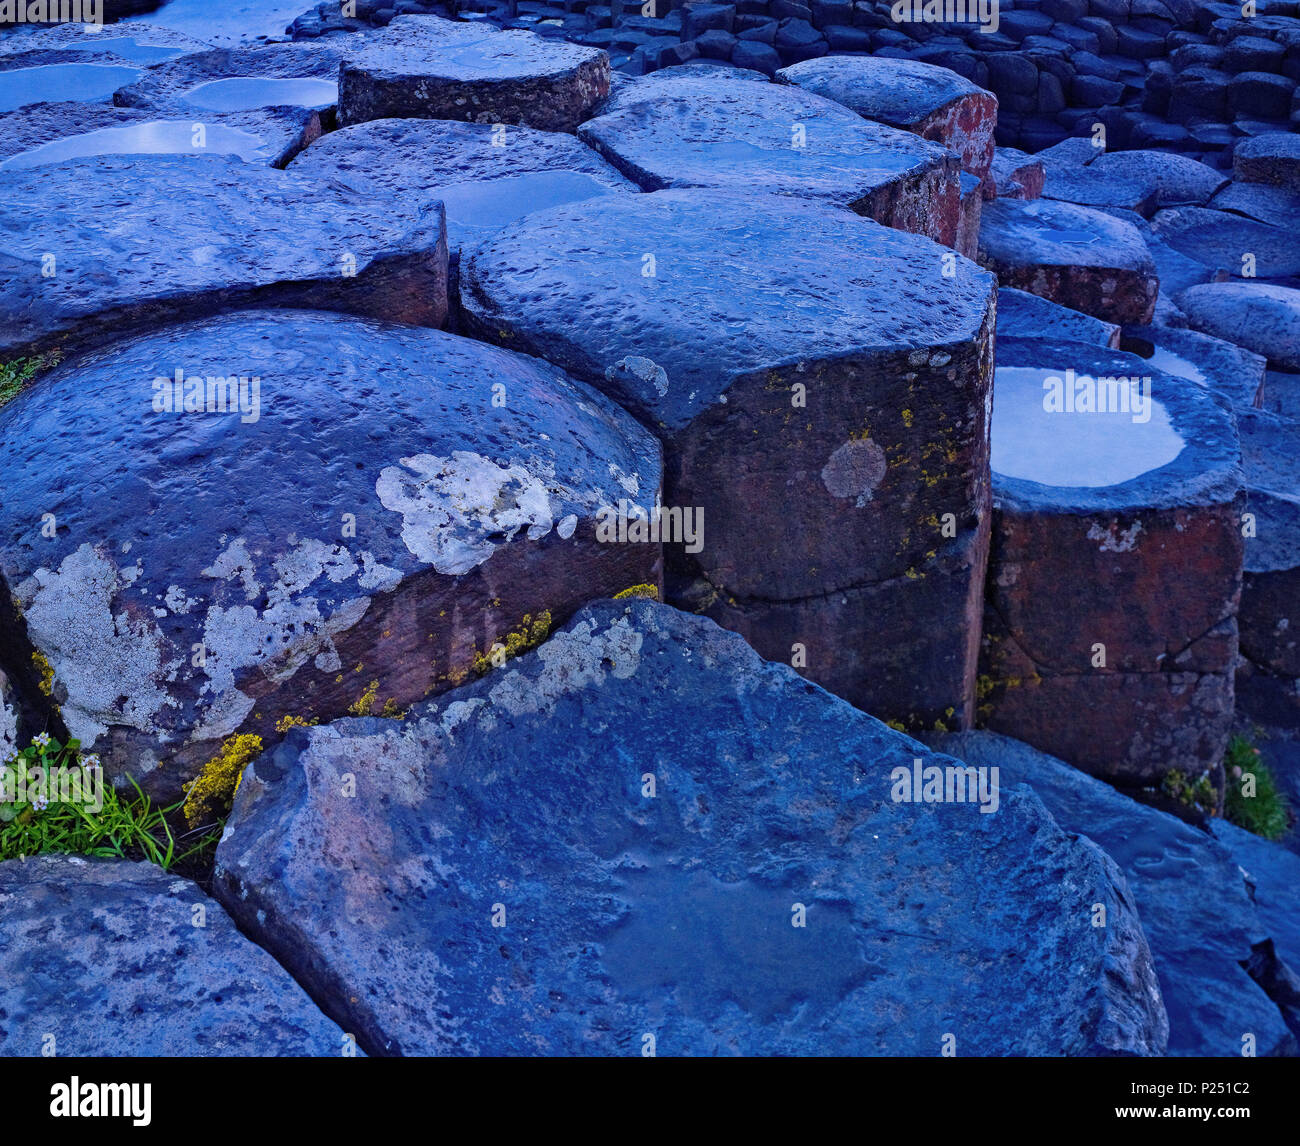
(1081, 258)
(424, 67)
(1115, 570)
(274, 517)
(830, 425)
(930, 101)
(742, 136)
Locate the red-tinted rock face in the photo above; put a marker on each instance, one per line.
(1110, 633)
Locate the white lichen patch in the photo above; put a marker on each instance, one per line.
(854, 470)
(111, 665)
(630, 482)
(1113, 539)
(236, 561)
(376, 575)
(457, 510)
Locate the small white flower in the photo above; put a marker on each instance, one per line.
(40, 803)
(41, 739)
(91, 762)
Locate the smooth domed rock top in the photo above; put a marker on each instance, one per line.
(738, 135)
(1118, 491)
(1199, 917)
(1074, 256)
(240, 79)
(822, 419)
(737, 880)
(1219, 241)
(485, 176)
(386, 506)
(53, 132)
(140, 43)
(136, 242)
(1273, 157)
(422, 66)
(1259, 316)
(1172, 179)
(933, 102)
(1024, 315)
(115, 959)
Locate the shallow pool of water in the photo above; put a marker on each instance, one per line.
(50, 82)
(164, 137)
(228, 22)
(1165, 359)
(1062, 448)
(125, 46)
(475, 210)
(243, 93)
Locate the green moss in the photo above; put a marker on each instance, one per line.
(1267, 812)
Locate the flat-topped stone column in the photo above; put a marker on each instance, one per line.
(217, 530)
(1115, 570)
(425, 67)
(830, 426)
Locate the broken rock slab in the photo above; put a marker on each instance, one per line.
(1272, 157)
(1227, 244)
(53, 132)
(428, 68)
(1273, 205)
(1199, 917)
(1110, 636)
(368, 514)
(573, 900)
(1017, 174)
(828, 445)
(747, 137)
(1024, 315)
(927, 100)
(107, 958)
(1083, 259)
(1261, 317)
(130, 247)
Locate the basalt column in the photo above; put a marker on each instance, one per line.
(821, 386)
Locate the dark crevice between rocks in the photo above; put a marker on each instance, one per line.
(1278, 982)
(37, 712)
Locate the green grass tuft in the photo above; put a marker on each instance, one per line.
(15, 375)
(1266, 813)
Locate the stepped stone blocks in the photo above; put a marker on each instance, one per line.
(1259, 316)
(743, 136)
(55, 132)
(1024, 315)
(105, 955)
(624, 915)
(364, 525)
(424, 67)
(1201, 931)
(1236, 374)
(835, 445)
(257, 237)
(933, 102)
(1273, 157)
(967, 239)
(1083, 259)
(1017, 175)
(1110, 636)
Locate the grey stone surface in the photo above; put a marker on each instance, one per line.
(1174, 179)
(134, 248)
(1274, 205)
(1272, 157)
(1211, 362)
(1258, 316)
(1024, 315)
(140, 43)
(106, 958)
(625, 915)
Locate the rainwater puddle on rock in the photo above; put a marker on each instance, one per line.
(478, 209)
(244, 93)
(164, 137)
(125, 46)
(53, 82)
(715, 943)
(1165, 359)
(1073, 238)
(228, 22)
(1104, 446)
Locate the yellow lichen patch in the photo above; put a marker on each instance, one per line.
(649, 592)
(46, 683)
(364, 702)
(287, 722)
(896, 725)
(529, 634)
(907, 418)
(218, 780)
(392, 710)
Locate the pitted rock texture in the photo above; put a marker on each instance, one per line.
(624, 914)
(49, 133)
(1274, 205)
(421, 66)
(743, 136)
(1172, 179)
(933, 102)
(1220, 366)
(822, 434)
(1221, 242)
(117, 959)
(361, 532)
(236, 79)
(133, 248)
(1016, 174)
(1199, 916)
(1259, 316)
(1147, 569)
(1074, 256)
(1024, 315)
(139, 43)
(1273, 157)
(486, 176)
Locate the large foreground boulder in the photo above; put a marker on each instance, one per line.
(1198, 914)
(106, 263)
(826, 431)
(425, 67)
(742, 136)
(105, 958)
(367, 514)
(739, 876)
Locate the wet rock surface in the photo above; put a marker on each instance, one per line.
(132, 247)
(384, 903)
(1024, 315)
(110, 958)
(861, 425)
(403, 526)
(1261, 317)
